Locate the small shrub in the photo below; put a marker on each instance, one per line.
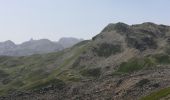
(74, 79)
(94, 72)
(156, 85)
(142, 82)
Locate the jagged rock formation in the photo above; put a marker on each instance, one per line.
(123, 62)
(41, 46)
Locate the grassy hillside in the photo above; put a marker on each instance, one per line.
(158, 94)
(36, 71)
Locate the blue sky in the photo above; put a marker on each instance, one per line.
(21, 20)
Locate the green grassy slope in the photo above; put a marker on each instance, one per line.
(33, 72)
(158, 94)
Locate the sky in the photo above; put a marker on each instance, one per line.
(21, 20)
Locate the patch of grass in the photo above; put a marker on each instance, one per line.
(69, 75)
(117, 73)
(12, 62)
(3, 92)
(149, 61)
(157, 95)
(106, 50)
(16, 83)
(81, 43)
(44, 83)
(4, 58)
(130, 66)
(36, 75)
(92, 72)
(74, 78)
(135, 64)
(162, 58)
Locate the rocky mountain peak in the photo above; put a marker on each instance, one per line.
(120, 27)
(118, 39)
(7, 44)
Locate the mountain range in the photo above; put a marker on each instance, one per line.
(122, 62)
(41, 46)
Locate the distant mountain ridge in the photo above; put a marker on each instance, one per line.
(9, 48)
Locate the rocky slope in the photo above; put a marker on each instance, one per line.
(41, 46)
(123, 62)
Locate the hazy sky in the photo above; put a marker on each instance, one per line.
(21, 20)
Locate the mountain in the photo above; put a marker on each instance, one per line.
(68, 42)
(41, 46)
(7, 45)
(123, 62)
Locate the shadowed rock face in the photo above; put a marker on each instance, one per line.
(142, 36)
(141, 42)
